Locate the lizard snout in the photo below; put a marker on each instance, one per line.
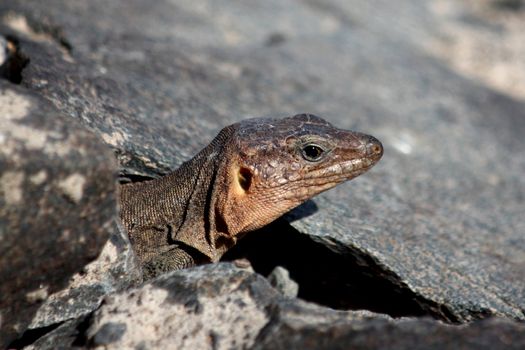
(374, 148)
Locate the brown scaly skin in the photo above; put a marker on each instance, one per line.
(249, 175)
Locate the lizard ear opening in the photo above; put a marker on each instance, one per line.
(244, 178)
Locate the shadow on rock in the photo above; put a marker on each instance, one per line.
(341, 280)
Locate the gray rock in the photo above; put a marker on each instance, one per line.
(280, 279)
(376, 333)
(436, 225)
(222, 307)
(62, 337)
(213, 306)
(116, 268)
(57, 203)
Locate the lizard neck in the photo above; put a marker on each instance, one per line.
(182, 201)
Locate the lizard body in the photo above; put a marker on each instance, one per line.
(249, 175)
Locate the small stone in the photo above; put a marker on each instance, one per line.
(280, 279)
(37, 295)
(243, 264)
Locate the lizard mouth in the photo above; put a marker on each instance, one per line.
(327, 178)
(360, 160)
(345, 170)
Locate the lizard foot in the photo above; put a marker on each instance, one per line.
(173, 259)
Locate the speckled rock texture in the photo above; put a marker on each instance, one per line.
(57, 203)
(222, 306)
(213, 305)
(114, 269)
(376, 333)
(434, 230)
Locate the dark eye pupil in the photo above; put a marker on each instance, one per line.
(312, 152)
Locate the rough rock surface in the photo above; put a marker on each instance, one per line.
(224, 307)
(115, 268)
(433, 230)
(280, 279)
(210, 306)
(292, 332)
(57, 203)
(483, 40)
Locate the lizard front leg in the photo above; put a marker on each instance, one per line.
(159, 254)
(176, 258)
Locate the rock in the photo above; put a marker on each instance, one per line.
(57, 203)
(434, 230)
(375, 333)
(62, 336)
(218, 306)
(494, 27)
(280, 279)
(222, 307)
(116, 268)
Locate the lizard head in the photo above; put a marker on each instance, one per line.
(271, 166)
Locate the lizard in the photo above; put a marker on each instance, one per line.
(251, 173)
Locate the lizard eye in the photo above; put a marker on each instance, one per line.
(312, 152)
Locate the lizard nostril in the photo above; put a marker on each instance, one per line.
(374, 147)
